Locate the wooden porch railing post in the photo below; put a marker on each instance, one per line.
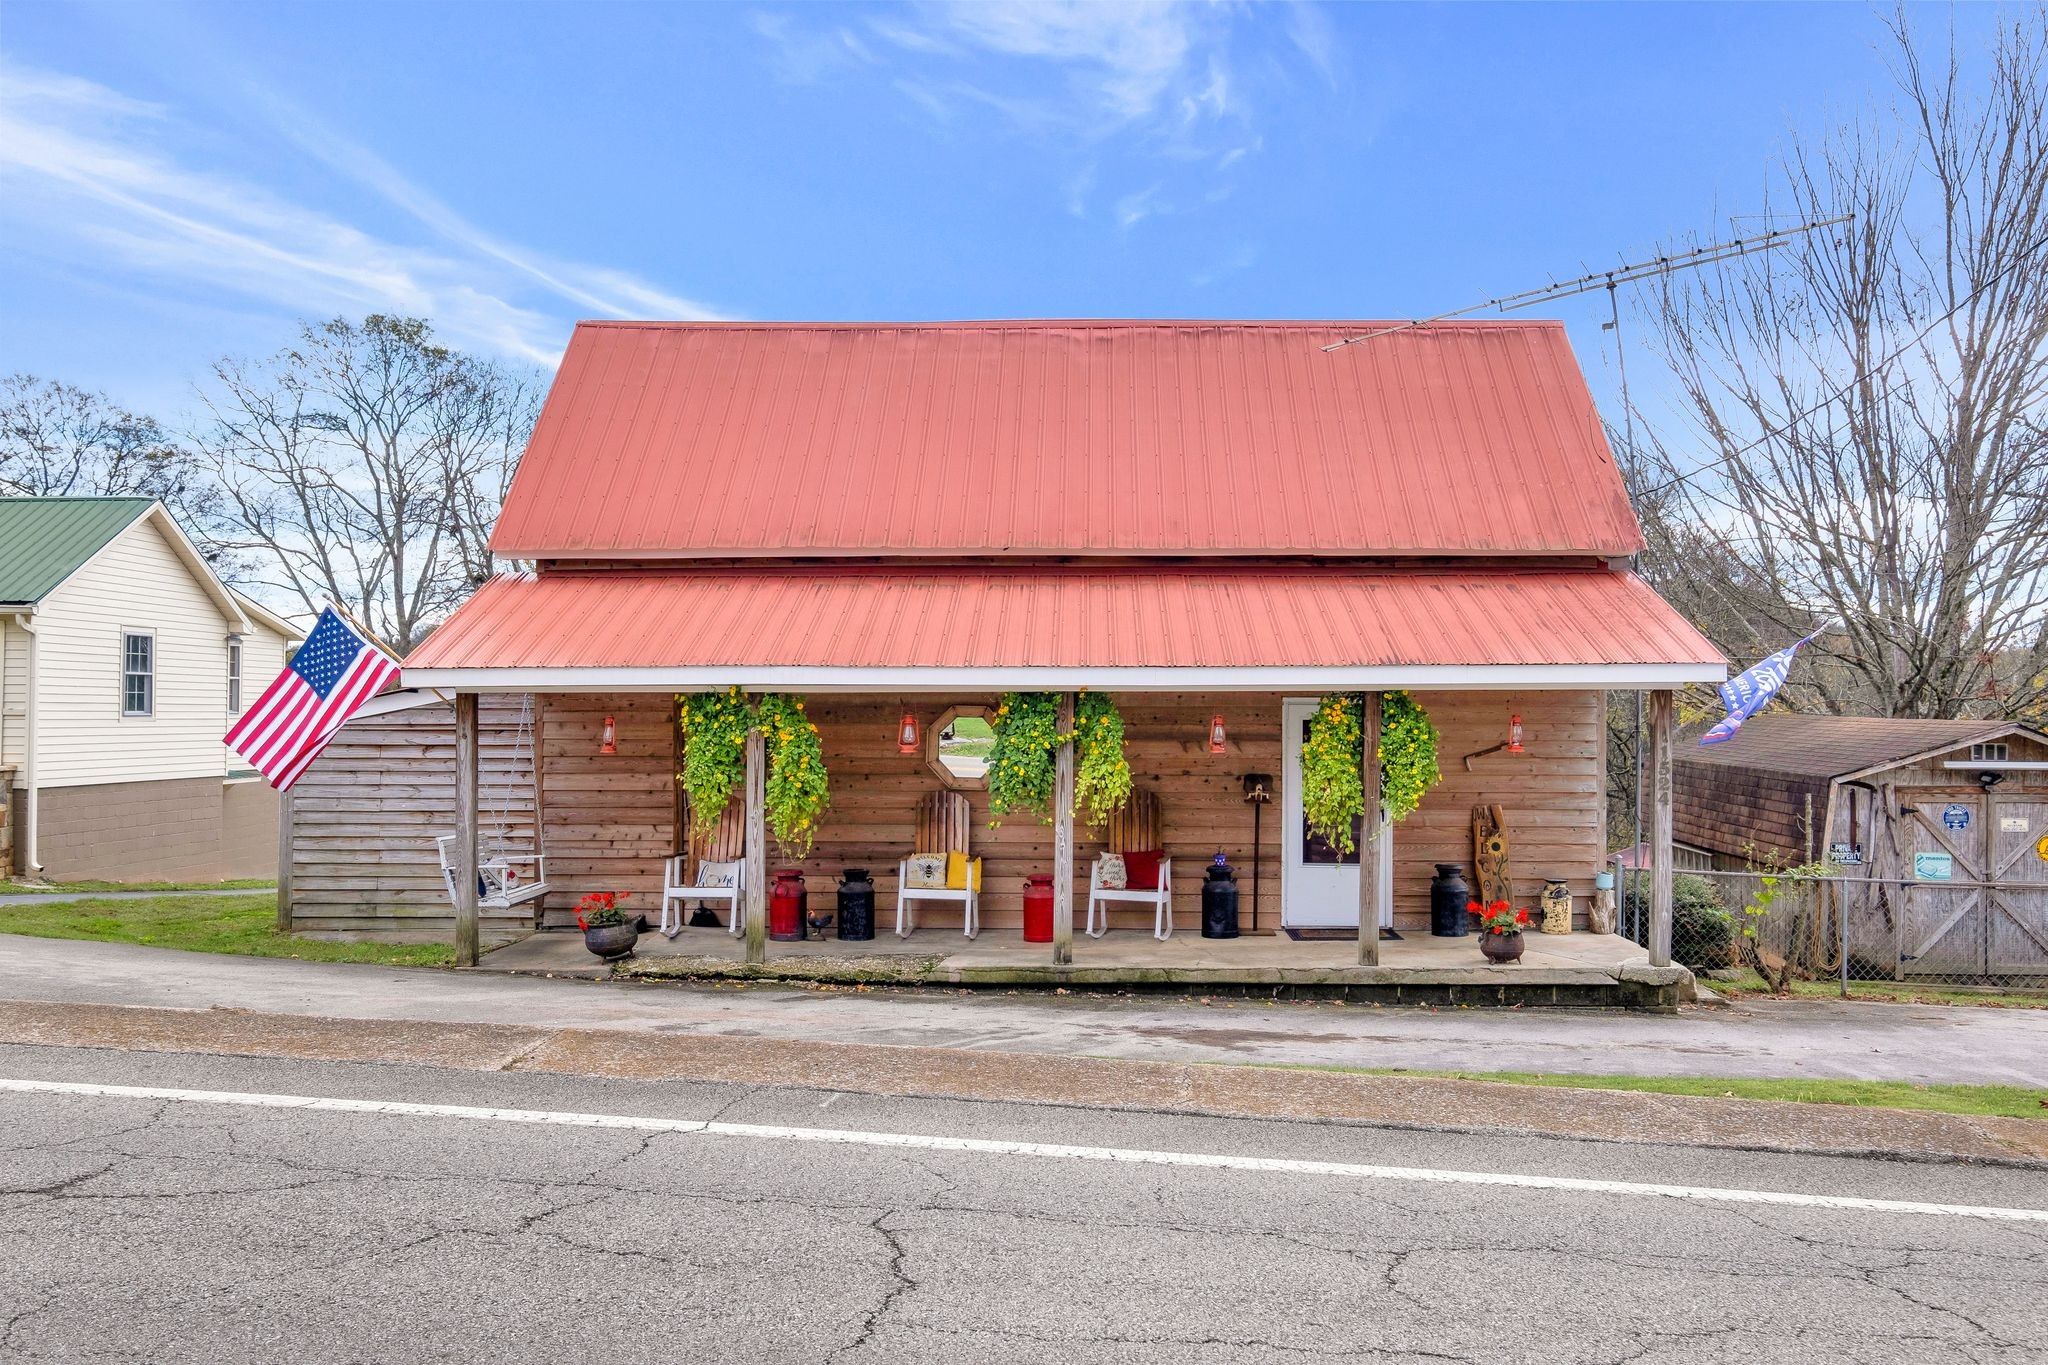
(1662, 720)
(1063, 839)
(285, 835)
(467, 946)
(1377, 839)
(757, 847)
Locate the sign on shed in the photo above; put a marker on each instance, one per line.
(1934, 867)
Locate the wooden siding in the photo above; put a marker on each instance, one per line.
(610, 819)
(365, 815)
(1742, 813)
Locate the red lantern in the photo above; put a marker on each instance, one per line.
(611, 737)
(906, 734)
(1514, 732)
(1216, 735)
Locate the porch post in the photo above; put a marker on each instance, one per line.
(466, 945)
(757, 846)
(1661, 724)
(1063, 839)
(1377, 840)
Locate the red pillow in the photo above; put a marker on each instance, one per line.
(1141, 870)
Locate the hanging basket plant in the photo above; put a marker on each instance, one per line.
(798, 790)
(714, 726)
(1102, 775)
(1020, 766)
(1332, 782)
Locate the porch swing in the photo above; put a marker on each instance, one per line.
(504, 878)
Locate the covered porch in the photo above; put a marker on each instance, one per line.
(606, 657)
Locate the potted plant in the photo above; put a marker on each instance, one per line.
(606, 929)
(1500, 930)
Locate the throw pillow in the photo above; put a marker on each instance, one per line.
(927, 872)
(1142, 868)
(1112, 876)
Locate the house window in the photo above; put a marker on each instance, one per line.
(959, 747)
(1989, 753)
(138, 674)
(234, 677)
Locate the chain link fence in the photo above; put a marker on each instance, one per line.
(1813, 934)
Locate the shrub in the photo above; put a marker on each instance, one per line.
(1703, 933)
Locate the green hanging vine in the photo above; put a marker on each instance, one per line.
(798, 791)
(1332, 783)
(1102, 775)
(1021, 767)
(715, 725)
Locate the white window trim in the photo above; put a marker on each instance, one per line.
(128, 633)
(237, 658)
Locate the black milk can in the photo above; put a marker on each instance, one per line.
(1448, 897)
(1219, 902)
(856, 904)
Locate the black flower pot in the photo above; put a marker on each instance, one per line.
(612, 941)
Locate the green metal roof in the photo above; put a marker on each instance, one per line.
(43, 541)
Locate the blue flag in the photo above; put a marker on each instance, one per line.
(1751, 690)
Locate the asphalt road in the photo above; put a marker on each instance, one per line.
(1803, 1039)
(174, 1229)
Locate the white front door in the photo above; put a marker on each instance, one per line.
(1318, 885)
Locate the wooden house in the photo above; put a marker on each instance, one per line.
(1939, 827)
(1217, 523)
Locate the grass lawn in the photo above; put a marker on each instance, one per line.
(2005, 1101)
(8, 888)
(205, 924)
(1892, 992)
(972, 727)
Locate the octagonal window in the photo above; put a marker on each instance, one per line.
(959, 746)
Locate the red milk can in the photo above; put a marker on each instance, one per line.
(786, 905)
(1038, 910)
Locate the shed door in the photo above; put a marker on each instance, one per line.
(1945, 921)
(2017, 830)
(1990, 916)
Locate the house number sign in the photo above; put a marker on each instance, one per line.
(1956, 817)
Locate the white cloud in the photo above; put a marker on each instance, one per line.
(90, 183)
(1134, 209)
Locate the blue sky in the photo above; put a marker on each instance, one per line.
(179, 182)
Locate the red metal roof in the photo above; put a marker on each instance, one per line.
(968, 618)
(1036, 438)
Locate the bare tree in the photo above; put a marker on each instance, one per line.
(1870, 445)
(364, 465)
(59, 440)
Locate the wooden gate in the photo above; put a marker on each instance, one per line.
(1977, 901)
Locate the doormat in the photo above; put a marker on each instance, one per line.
(1334, 934)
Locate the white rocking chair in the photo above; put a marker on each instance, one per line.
(943, 819)
(1136, 827)
(716, 881)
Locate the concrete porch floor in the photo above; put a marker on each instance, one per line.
(1565, 969)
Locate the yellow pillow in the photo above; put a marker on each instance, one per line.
(963, 874)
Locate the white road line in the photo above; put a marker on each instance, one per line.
(1050, 1150)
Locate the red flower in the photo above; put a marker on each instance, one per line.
(1521, 916)
(1475, 907)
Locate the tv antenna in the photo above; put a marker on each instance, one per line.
(1619, 275)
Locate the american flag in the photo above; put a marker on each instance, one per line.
(334, 672)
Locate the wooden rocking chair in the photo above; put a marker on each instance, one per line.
(1134, 829)
(943, 820)
(721, 873)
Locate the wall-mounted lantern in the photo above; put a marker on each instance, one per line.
(1217, 737)
(1514, 732)
(611, 736)
(907, 739)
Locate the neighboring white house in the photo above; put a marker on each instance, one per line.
(123, 659)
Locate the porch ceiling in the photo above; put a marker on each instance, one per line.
(888, 628)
